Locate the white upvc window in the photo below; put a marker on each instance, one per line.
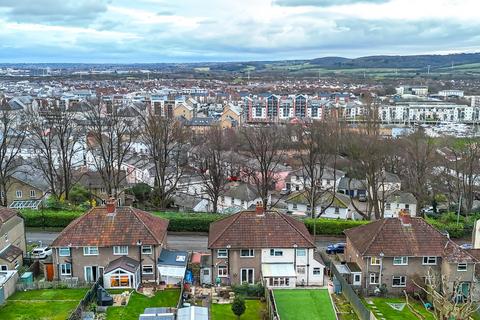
(147, 269)
(247, 253)
(120, 250)
(222, 271)
(399, 281)
(300, 269)
(19, 193)
(276, 252)
(374, 261)
(32, 194)
(90, 251)
(429, 261)
(66, 269)
(316, 271)
(462, 267)
(64, 252)
(147, 249)
(400, 261)
(374, 279)
(222, 253)
(301, 252)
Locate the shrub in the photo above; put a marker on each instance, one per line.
(49, 218)
(249, 290)
(454, 230)
(332, 226)
(238, 306)
(189, 222)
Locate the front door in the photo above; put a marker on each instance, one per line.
(247, 275)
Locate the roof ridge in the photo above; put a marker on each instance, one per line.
(134, 210)
(284, 217)
(236, 216)
(384, 221)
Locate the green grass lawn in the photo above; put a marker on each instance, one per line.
(254, 311)
(138, 303)
(304, 304)
(392, 314)
(52, 304)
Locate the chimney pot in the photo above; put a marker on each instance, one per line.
(259, 208)
(111, 207)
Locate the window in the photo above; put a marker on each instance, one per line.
(247, 253)
(247, 275)
(3, 268)
(147, 250)
(429, 261)
(222, 253)
(276, 253)
(374, 278)
(66, 269)
(147, 269)
(462, 267)
(400, 261)
(337, 210)
(90, 251)
(374, 261)
(120, 278)
(316, 271)
(301, 252)
(387, 206)
(279, 282)
(17, 264)
(5, 237)
(32, 193)
(64, 252)
(294, 206)
(407, 206)
(356, 278)
(19, 193)
(120, 250)
(222, 271)
(300, 269)
(399, 281)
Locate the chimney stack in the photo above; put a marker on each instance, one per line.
(404, 216)
(111, 207)
(259, 208)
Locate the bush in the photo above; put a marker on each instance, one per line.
(48, 218)
(454, 230)
(332, 226)
(189, 222)
(255, 290)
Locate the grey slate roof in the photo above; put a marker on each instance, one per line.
(402, 197)
(242, 191)
(125, 263)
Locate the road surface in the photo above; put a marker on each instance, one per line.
(178, 241)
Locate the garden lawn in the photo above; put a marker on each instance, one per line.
(392, 314)
(293, 304)
(52, 304)
(138, 303)
(254, 311)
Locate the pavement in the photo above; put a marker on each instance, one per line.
(175, 240)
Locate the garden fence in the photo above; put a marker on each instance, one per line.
(271, 306)
(360, 309)
(66, 283)
(89, 297)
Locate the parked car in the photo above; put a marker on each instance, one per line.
(362, 198)
(41, 252)
(466, 246)
(336, 248)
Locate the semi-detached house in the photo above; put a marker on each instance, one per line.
(270, 247)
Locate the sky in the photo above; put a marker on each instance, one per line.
(148, 31)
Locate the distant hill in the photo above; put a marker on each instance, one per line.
(416, 61)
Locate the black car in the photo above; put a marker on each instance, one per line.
(336, 248)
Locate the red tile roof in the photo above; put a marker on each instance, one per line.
(392, 238)
(248, 229)
(125, 227)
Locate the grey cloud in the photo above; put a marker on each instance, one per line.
(68, 12)
(322, 3)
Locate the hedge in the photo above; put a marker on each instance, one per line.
(332, 227)
(49, 218)
(189, 222)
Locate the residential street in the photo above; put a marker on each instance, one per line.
(178, 241)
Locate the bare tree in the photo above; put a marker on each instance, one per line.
(418, 158)
(212, 159)
(317, 148)
(369, 153)
(11, 140)
(109, 140)
(266, 146)
(449, 301)
(165, 140)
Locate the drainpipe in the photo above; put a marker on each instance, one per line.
(381, 268)
(155, 262)
(308, 266)
(139, 244)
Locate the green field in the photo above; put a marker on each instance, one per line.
(391, 314)
(51, 304)
(254, 311)
(138, 303)
(299, 304)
